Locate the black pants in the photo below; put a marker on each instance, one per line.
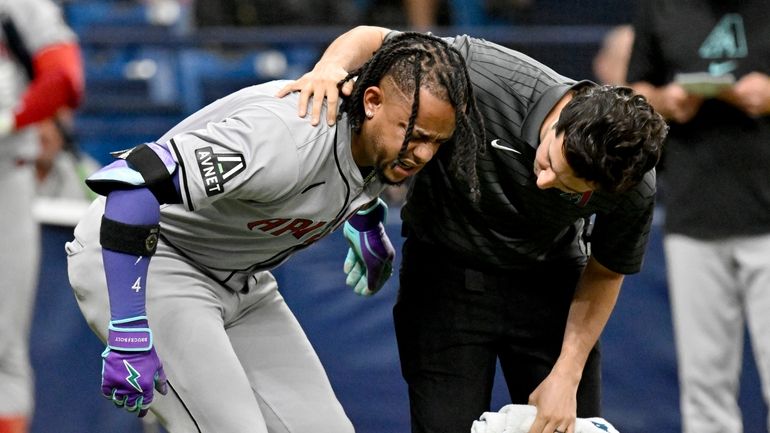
(453, 323)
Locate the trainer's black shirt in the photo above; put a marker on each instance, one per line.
(516, 224)
(717, 166)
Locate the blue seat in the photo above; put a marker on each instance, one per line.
(206, 75)
(82, 14)
(130, 79)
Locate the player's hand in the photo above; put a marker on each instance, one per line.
(556, 402)
(130, 367)
(319, 83)
(369, 262)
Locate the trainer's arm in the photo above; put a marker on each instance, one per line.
(347, 53)
(556, 397)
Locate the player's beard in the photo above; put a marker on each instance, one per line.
(379, 171)
(381, 168)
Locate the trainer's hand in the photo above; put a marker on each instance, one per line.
(319, 83)
(130, 366)
(518, 418)
(556, 402)
(369, 262)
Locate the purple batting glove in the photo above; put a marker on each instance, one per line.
(369, 262)
(130, 366)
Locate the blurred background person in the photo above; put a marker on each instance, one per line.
(610, 65)
(61, 167)
(40, 72)
(685, 56)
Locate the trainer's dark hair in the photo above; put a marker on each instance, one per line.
(612, 136)
(418, 60)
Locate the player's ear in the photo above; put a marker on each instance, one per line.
(373, 99)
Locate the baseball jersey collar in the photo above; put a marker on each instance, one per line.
(343, 144)
(531, 129)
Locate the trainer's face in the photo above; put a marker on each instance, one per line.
(383, 133)
(551, 167)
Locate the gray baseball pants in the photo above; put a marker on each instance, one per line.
(236, 362)
(717, 288)
(19, 270)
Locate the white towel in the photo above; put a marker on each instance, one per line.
(518, 418)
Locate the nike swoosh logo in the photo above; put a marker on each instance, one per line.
(721, 68)
(495, 143)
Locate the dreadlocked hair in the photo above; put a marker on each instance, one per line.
(415, 61)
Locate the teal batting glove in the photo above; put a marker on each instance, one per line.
(369, 262)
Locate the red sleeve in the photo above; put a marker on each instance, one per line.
(58, 82)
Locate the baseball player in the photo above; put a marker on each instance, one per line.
(231, 192)
(40, 72)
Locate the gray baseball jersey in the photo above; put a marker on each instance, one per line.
(516, 223)
(258, 182)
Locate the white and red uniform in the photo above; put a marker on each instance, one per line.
(24, 100)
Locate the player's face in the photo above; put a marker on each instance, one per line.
(552, 169)
(434, 125)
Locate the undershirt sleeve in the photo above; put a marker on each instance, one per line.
(58, 83)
